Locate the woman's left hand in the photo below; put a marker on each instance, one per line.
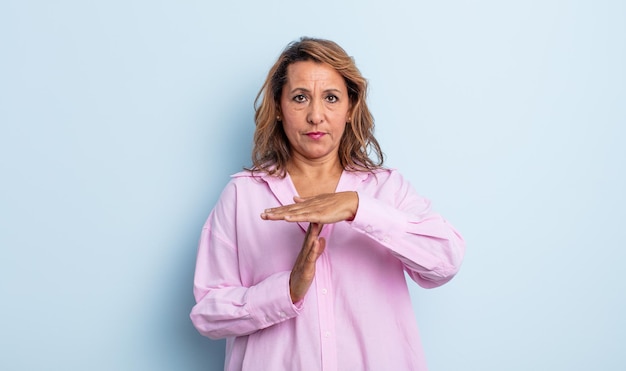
(325, 208)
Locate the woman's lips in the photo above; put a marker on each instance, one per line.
(315, 135)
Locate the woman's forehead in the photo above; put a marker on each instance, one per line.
(309, 73)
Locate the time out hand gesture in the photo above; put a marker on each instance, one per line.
(325, 208)
(318, 210)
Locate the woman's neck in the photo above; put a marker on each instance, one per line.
(311, 177)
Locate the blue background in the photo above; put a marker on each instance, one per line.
(122, 120)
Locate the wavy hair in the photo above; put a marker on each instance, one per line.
(271, 150)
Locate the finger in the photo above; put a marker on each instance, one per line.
(313, 254)
(301, 210)
(315, 229)
(295, 206)
(299, 205)
(321, 247)
(303, 272)
(298, 199)
(311, 217)
(310, 249)
(279, 213)
(309, 245)
(295, 215)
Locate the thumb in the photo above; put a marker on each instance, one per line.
(299, 199)
(319, 246)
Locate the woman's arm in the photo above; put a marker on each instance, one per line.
(224, 307)
(428, 246)
(395, 216)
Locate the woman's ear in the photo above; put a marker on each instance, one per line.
(279, 116)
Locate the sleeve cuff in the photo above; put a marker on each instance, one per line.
(269, 302)
(368, 220)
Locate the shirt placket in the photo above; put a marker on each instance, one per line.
(323, 280)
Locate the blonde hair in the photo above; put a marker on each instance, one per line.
(271, 150)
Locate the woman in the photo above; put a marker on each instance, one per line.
(301, 262)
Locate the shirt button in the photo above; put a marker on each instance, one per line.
(282, 314)
(368, 229)
(324, 291)
(327, 334)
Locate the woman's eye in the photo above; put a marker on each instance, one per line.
(299, 98)
(332, 98)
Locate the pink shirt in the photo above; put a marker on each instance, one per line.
(357, 315)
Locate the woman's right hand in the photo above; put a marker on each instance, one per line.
(303, 271)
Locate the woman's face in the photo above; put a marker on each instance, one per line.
(315, 108)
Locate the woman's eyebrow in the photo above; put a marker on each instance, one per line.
(305, 90)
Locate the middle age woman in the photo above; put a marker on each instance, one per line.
(301, 262)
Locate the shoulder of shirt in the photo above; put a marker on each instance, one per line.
(247, 177)
(248, 174)
(384, 171)
(385, 176)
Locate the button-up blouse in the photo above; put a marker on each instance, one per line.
(357, 314)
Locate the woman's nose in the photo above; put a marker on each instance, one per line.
(315, 115)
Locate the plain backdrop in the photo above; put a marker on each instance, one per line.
(121, 122)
